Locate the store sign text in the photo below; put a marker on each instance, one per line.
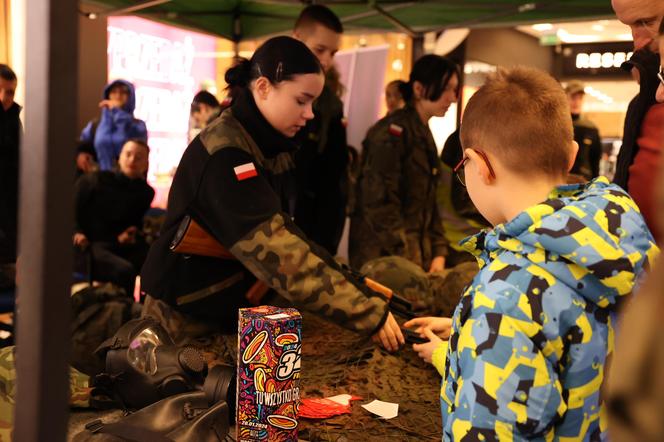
(599, 60)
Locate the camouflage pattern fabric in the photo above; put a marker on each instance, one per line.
(532, 334)
(431, 293)
(78, 387)
(216, 347)
(396, 211)
(279, 257)
(226, 131)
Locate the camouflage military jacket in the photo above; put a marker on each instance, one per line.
(533, 333)
(233, 179)
(396, 211)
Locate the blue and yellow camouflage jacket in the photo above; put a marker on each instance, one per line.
(533, 334)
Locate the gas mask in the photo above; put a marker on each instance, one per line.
(143, 365)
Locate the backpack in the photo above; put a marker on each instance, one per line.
(97, 314)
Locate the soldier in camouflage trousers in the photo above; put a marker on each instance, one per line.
(396, 211)
(235, 180)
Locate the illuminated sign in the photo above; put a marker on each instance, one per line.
(595, 59)
(162, 63)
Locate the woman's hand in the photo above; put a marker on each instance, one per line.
(389, 336)
(442, 327)
(425, 351)
(80, 240)
(128, 236)
(437, 264)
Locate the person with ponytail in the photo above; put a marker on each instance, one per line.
(235, 180)
(396, 211)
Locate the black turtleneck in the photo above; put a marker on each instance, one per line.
(269, 140)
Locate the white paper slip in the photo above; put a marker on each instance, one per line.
(386, 410)
(343, 399)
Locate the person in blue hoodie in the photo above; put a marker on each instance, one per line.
(526, 351)
(116, 125)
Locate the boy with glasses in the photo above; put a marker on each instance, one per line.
(525, 353)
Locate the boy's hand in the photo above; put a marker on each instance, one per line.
(440, 326)
(426, 350)
(389, 336)
(437, 264)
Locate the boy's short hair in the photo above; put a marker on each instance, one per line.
(521, 115)
(138, 141)
(6, 73)
(205, 97)
(321, 15)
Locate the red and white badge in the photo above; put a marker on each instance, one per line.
(395, 130)
(245, 171)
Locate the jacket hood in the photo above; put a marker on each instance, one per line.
(131, 101)
(591, 237)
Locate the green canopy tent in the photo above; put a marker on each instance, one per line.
(239, 20)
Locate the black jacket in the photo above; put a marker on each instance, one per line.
(647, 62)
(321, 171)
(10, 137)
(107, 203)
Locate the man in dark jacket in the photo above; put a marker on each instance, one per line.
(322, 161)
(586, 134)
(10, 135)
(640, 155)
(109, 217)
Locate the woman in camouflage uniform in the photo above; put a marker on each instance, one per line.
(396, 211)
(235, 180)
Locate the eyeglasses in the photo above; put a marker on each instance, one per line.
(459, 169)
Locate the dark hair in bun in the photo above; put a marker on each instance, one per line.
(433, 72)
(278, 59)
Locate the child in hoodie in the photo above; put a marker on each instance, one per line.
(117, 124)
(530, 340)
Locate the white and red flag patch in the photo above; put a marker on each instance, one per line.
(245, 171)
(396, 130)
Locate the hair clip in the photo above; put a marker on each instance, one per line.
(258, 67)
(280, 72)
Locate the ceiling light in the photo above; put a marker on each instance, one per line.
(541, 27)
(598, 28)
(567, 37)
(625, 37)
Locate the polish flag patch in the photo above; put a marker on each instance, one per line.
(396, 130)
(245, 171)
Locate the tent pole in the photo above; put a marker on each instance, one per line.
(45, 222)
(395, 21)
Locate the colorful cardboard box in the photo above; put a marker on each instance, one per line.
(268, 374)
